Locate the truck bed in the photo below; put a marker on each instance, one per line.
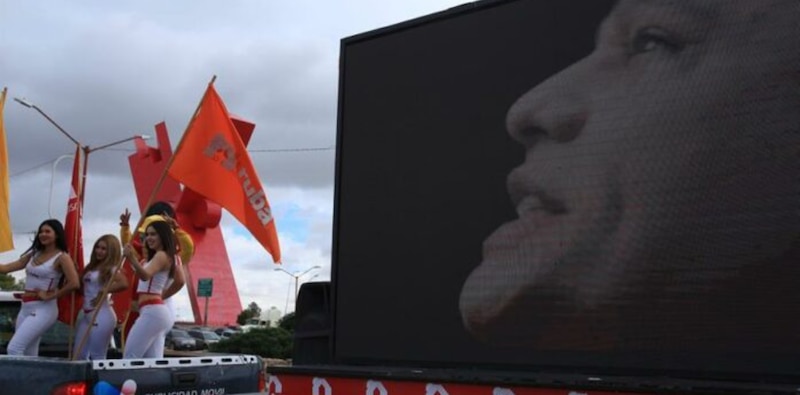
(218, 374)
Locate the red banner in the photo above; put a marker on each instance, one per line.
(67, 306)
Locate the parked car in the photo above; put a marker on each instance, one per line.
(225, 332)
(204, 338)
(179, 339)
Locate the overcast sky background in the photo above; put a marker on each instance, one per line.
(107, 70)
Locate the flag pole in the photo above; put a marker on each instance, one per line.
(81, 194)
(75, 242)
(104, 292)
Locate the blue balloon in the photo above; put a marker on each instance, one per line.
(104, 388)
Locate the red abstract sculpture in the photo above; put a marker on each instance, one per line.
(197, 216)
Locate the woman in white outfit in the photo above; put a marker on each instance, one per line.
(106, 256)
(155, 319)
(162, 211)
(49, 274)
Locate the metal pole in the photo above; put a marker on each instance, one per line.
(111, 144)
(286, 307)
(296, 283)
(33, 106)
(205, 315)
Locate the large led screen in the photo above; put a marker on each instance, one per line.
(572, 185)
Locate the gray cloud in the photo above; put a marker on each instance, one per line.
(107, 70)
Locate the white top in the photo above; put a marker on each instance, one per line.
(42, 277)
(91, 287)
(156, 284)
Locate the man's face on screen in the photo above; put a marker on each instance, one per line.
(659, 164)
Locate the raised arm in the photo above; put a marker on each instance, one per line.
(185, 242)
(19, 264)
(159, 262)
(125, 227)
(125, 234)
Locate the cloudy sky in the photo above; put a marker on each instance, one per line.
(106, 70)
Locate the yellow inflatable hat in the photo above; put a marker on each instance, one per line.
(149, 220)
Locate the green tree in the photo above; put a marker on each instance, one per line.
(252, 311)
(9, 283)
(265, 342)
(287, 322)
(253, 307)
(242, 318)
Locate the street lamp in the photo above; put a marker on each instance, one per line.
(28, 104)
(86, 149)
(296, 277)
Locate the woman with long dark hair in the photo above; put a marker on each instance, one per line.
(49, 274)
(159, 211)
(154, 318)
(106, 255)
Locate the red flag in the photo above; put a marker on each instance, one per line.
(212, 160)
(67, 307)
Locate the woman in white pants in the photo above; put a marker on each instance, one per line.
(154, 318)
(49, 274)
(161, 211)
(106, 255)
(173, 286)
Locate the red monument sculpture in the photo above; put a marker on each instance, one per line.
(196, 215)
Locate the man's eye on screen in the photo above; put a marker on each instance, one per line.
(649, 39)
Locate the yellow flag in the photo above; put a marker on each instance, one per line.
(6, 242)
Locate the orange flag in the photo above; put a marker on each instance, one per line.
(6, 241)
(212, 160)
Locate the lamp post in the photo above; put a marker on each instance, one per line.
(28, 104)
(296, 277)
(86, 149)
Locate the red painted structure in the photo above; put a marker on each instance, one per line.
(199, 217)
(299, 384)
